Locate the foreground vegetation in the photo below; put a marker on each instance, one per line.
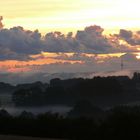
(118, 123)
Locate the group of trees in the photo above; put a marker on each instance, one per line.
(118, 123)
(103, 91)
(100, 91)
(67, 92)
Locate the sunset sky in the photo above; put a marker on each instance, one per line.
(70, 15)
(104, 32)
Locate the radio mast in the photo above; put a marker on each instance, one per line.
(121, 57)
(122, 64)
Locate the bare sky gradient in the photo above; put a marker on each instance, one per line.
(66, 15)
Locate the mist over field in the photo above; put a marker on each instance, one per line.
(18, 78)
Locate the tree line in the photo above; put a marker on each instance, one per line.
(103, 91)
(121, 122)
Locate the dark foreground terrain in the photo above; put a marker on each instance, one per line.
(84, 122)
(100, 109)
(8, 137)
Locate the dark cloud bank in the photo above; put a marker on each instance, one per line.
(19, 44)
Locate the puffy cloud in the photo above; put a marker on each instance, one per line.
(20, 44)
(126, 34)
(57, 42)
(90, 40)
(16, 43)
(93, 40)
(132, 38)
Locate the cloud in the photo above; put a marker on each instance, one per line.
(129, 57)
(89, 40)
(57, 42)
(132, 38)
(19, 44)
(125, 34)
(95, 63)
(93, 40)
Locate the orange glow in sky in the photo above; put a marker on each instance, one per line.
(48, 58)
(25, 66)
(15, 66)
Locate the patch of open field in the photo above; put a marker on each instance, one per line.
(8, 137)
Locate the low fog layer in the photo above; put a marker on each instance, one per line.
(16, 78)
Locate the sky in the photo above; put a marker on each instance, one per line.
(70, 15)
(69, 35)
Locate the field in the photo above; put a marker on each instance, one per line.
(8, 137)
